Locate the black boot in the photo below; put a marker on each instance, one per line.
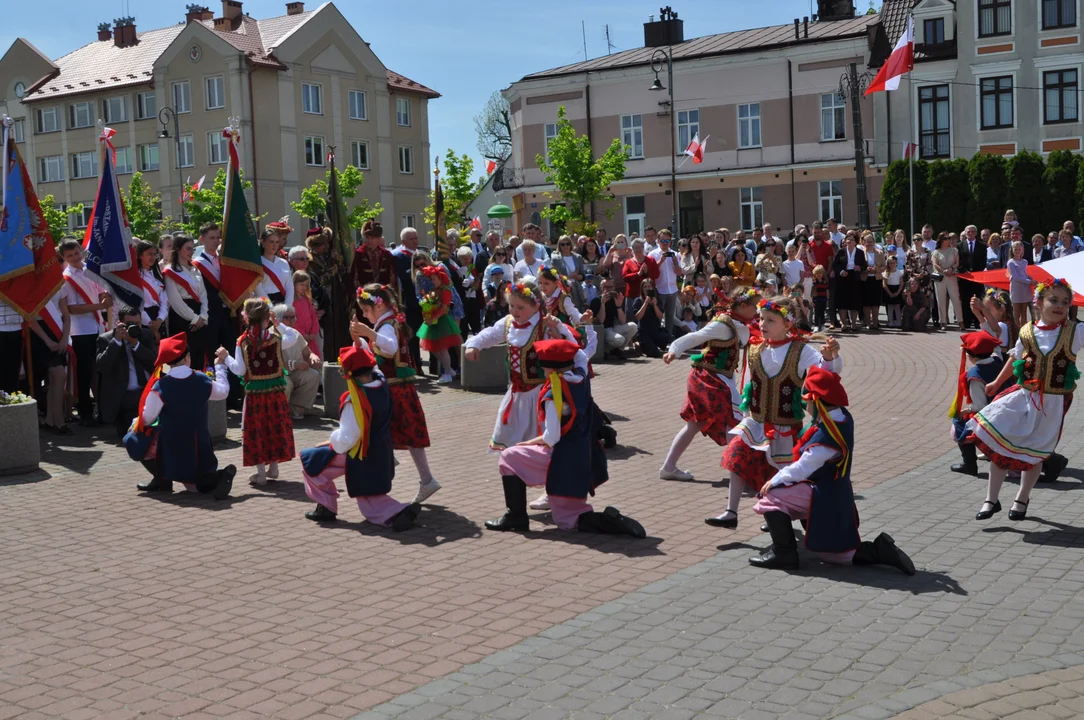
(970, 464)
(610, 522)
(222, 488)
(783, 554)
(321, 514)
(405, 518)
(156, 484)
(883, 551)
(515, 497)
(1053, 467)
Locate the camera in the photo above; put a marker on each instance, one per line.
(133, 329)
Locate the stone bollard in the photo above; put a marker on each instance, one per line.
(19, 429)
(600, 347)
(216, 420)
(334, 387)
(488, 372)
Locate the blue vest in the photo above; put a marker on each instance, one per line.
(833, 517)
(987, 372)
(578, 463)
(184, 443)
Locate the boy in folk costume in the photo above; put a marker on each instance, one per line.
(712, 399)
(267, 429)
(980, 351)
(387, 338)
(360, 449)
(566, 457)
(816, 488)
(170, 435)
(763, 442)
(1021, 427)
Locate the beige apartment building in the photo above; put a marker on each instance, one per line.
(300, 83)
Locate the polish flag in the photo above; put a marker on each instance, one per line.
(909, 149)
(187, 194)
(898, 64)
(490, 167)
(696, 149)
(476, 223)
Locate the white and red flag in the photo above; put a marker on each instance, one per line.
(910, 149)
(898, 64)
(696, 149)
(491, 165)
(187, 194)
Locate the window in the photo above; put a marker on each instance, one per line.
(314, 151)
(831, 197)
(688, 127)
(51, 169)
(18, 131)
(933, 31)
(406, 160)
(1060, 96)
(358, 109)
(632, 135)
(182, 97)
(217, 148)
(749, 125)
(215, 88)
(551, 133)
(123, 160)
(311, 99)
(115, 110)
(996, 96)
(359, 154)
(407, 221)
(995, 17)
(84, 165)
(833, 117)
(402, 111)
(83, 219)
(186, 151)
(752, 208)
(1059, 14)
(146, 106)
(635, 215)
(48, 121)
(80, 115)
(933, 122)
(148, 158)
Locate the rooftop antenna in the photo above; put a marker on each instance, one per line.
(583, 29)
(609, 44)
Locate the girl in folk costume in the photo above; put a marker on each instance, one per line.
(554, 287)
(277, 285)
(993, 310)
(565, 456)
(764, 440)
(360, 449)
(816, 488)
(980, 351)
(188, 301)
(386, 335)
(1021, 427)
(155, 303)
(520, 330)
(267, 431)
(712, 396)
(441, 312)
(52, 361)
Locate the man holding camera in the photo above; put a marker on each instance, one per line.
(125, 358)
(609, 310)
(666, 284)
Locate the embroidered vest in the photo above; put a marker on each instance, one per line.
(1051, 370)
(523, 365)
(720, 356)
(773, 399)
(263, 366)
(397, 368)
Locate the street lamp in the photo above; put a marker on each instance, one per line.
(852, 85)
(164, 116)
(658, 58)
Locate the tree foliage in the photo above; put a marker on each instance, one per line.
(144, 208)
(946, 195)
(895, 208)
(494, 128)
(580, 179)
(459, 191)
(55, 218)
(1059, 186)
(1025, 194)
(313, 204)
(989, 186)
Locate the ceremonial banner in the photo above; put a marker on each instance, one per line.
(242, 263)
(110, 251)
(342, 242)
(439, 229)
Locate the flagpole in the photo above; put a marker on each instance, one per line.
(913, 147)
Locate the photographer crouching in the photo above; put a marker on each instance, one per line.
(125, 358)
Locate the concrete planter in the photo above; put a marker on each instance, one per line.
(19, 429)
(334, 387)
(488, 372)
(600, 346)
(216, 420)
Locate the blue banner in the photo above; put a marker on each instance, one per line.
(16, 231)
(110, 253)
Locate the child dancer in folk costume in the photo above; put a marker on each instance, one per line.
(712, 397)
(360, 449)
(388, 341)
(170, 435)
(993, 310)
(763, 442)
(980, 351)
(440, 304)
(816, 488)
(559, 303)
(517, 415)
(566, 456)
(267, 436)
(1021, 427)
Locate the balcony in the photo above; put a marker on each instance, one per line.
(507, 178)
(935, 51)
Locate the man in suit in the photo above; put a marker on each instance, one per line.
(126, 356)
(222, 324)
(403, 256)
(972, 259)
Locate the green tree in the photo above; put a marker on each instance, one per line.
(1059, 185)
(459, 191)
(313, 204)
(988, 181)
(1026, 188)
(55, 218)
(206, 204)
(580, 179)
(895, 208)
(946, 194)
(144, 208)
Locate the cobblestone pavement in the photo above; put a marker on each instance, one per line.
(118, 606)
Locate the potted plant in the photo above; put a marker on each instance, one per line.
(19, 428)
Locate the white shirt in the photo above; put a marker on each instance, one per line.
(930, 244)
(1045, 339)
(850, 258)
(348, 433)
(837, 237)
(237, 364)
(719, 331)
(668, 272)
(148, 300)
(176, 295)
(133, 379)
(792, 271)
(811, 460)
(551, 430)
(285, 275)
(495, 335)
(387, 340)
(10, 319)
(220, 388)
(977, 386)
(84, 323)
(522, 269)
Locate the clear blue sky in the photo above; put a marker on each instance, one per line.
(459, 47)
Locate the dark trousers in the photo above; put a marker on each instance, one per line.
(472, 318)
(11, 356)
(653, 341)
(820, 307)
(86, 357)
(414, 322)
(969, 290)
(832, 317)
(129, 406)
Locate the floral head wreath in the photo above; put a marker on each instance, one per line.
(775, 307)
(1054, 283)
(999, 296)
(746, 295)
(369, 298)
(524, 290)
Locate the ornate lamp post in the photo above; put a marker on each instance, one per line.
(660, 58)
(852, 85)
(164, 116)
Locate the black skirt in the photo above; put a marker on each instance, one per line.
(849, 291)
(871, 292)
(893, 300)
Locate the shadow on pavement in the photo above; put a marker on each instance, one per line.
(624, 452)
(285, 489)
(436, 525)
(1058, 534)
(24, 478)
(186, 498)
(607, 544)
(77, 454)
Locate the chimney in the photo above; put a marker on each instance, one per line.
(198, 13)
(805, 27)
(124, 32)
(829, 10)
(667, 30)
(295, 8)
(105, 34)
(231, 16)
